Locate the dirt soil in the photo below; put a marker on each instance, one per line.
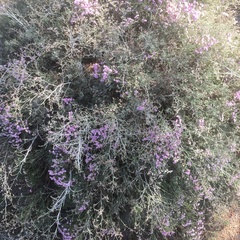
(226, 221)
(229, 221)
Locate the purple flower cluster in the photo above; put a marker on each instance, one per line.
(106, 72)
(70, 131)
(108, 232)
(142, 106)
(58, 172)
(66, 235)
(67, 100)
(179, 9)
(91, 166)
(206, 42)
(70, 116)
(11, 127)
(103, 72)
(83, 206)
(87, 7)
(196, 232)
(96, 70)
(201, 123)
(191, 9)
(165, 228)
(237, 96)
(166, 145)
(195, 229)
(98, 136)
(167, 233)
(96, 141)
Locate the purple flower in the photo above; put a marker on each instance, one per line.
(205, 43)
(230, 104)
(89, 158)
(106, 72)
(58, 172)
(167, 233)
(87, 7)
(67, 100)
(65, 234)
(201, 123)
(98, 135)
(237, 96)
(70, 116)
(187, 223)
(83, 207)
(96, 70)
(142, 106)
(92, 167)
(234, 116)
(11, 127)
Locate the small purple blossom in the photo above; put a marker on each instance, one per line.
(234, 116)
(98, 135)
(67, 100)
(187, 223)
(106, 72)
(108, 232)
(96, 70)
(206, 42)
(89, 157)
(167, 144)
(57, 171)
(70, 131)
(70, 116)
(201, 123)
(230, 104)
(84, 206)
(65, 234)
(178, 10)
(91, 176)
(92, 167)
(87, 7)
(142, 106)
(136, 93)
(167, 233)
(237, 96)
(11, 127)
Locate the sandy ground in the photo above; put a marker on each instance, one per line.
(227, 222)
(230, 221)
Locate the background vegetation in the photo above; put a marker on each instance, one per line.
(118, 119)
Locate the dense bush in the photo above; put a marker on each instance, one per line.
(118, 119)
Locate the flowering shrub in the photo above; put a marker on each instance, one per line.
(120, 117)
